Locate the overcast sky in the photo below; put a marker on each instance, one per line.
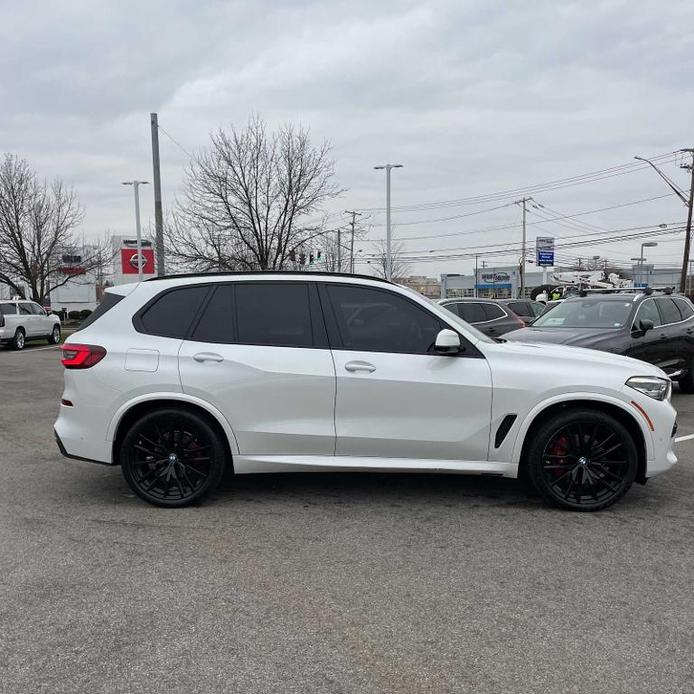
(472, 97)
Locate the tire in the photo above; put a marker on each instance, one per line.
(19, 339)
(54, 338)
(161, 459)
(569, 460)
(686, 383)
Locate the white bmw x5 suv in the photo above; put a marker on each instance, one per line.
(177, 378)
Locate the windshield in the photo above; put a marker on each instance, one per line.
(586, 313)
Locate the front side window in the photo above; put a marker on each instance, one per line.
(172, 313)
(373, 320)
(36, 310)
(586, 313)
(647, 311)
(274, 313)
(537, 308)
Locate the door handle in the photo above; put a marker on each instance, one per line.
(360, 366)
(208, 356)
(663, 337)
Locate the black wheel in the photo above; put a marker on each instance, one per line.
(686, 383)
(582, 460)
(54, 339)
(19, 339)
(172, 458)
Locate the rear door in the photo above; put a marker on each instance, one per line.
(672, 336)
(647, 346)
(260, 355)
(43, 323)
(396, 397)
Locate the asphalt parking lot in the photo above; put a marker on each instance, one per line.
(330, 583)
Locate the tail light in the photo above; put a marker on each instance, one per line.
(81, 356)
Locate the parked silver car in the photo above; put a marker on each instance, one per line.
(22, 320)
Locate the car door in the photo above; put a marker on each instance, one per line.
(672, 336)
(27, 318)
(687, 326)
(42, 321)
(396, 397)
(648, 346)
(260, 355)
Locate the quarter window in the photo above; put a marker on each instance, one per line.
(373, 320)
(686, 309)
(173, 312)
(274, 313)
(669, 311)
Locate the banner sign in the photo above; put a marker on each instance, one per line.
(129, 261)
(544, 246)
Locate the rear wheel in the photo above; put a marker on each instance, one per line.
(19, 339)
(172, 458)
(54, 339)
(582, 460)
(687, 381)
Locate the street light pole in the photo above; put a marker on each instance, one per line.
(389, 259)
(136, 187)
(645, 244)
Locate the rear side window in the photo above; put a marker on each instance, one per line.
(24, 309)
(492, 311)
(648, 311)
(8, 309)
(276, 314)
(686, 309)
(217, 322)
(669, 311)
(108, 302)
(472, 313)
(172, 312)
(518, 307)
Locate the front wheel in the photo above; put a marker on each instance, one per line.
(582, 460)
(172, 458)
(54, 339)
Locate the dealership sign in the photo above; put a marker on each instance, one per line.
(131, 261)
(544, 245)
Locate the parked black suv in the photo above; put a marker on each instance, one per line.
(486, 315)
(526, 309)
(652, 326)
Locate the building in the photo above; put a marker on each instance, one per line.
(428, 286)
(125, 259)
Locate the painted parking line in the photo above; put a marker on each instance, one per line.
(688, 437)
(31, 349)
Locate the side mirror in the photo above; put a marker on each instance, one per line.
(447, 342)
(645, 324)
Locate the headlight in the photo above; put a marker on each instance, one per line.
(652, 386)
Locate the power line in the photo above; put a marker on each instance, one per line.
(178, 144)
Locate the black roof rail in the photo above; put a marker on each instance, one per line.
(627, 290)
(293, 273)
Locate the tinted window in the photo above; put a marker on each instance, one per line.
(274, 314)
(24, 309)
(536, 308)
(492, 311)
(8, 309)
(669, 311)
(108, 302)
(685, 307)
(648, 311)
(172, 313)
(472, 313)
(36, 310)
(586, 313)
(518, 307)
(373, 320)
(217, 322)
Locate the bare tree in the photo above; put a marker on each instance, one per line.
(37, 221)
(399, 267)
(248, 197)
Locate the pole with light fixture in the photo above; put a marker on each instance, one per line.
(136, 188)
(645, 244)
(389, 259)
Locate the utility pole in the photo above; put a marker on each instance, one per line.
(158, 214)
(354, 214)
(521, 291)
(136, 187)
(688, 231)
(339, 249)
(475, 285)
(389, 260)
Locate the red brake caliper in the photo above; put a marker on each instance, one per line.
(559, 449)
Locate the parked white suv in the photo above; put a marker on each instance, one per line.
(176, 378)
(22, 320)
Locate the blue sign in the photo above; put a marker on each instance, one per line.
(545, 258)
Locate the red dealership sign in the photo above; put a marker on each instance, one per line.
(129, 261)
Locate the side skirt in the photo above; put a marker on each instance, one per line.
(248, 464)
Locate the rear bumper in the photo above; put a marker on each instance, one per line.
(63, 450)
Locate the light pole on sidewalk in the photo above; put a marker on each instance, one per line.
(136, 187)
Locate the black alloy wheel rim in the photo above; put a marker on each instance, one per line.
(170, 462)
(585, 463)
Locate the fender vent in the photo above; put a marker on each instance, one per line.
(503, 429)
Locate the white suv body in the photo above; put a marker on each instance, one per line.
(297, 372)
(22, 320)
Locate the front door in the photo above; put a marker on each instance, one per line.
(397, 398)
(648, 346)
(259, 354)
